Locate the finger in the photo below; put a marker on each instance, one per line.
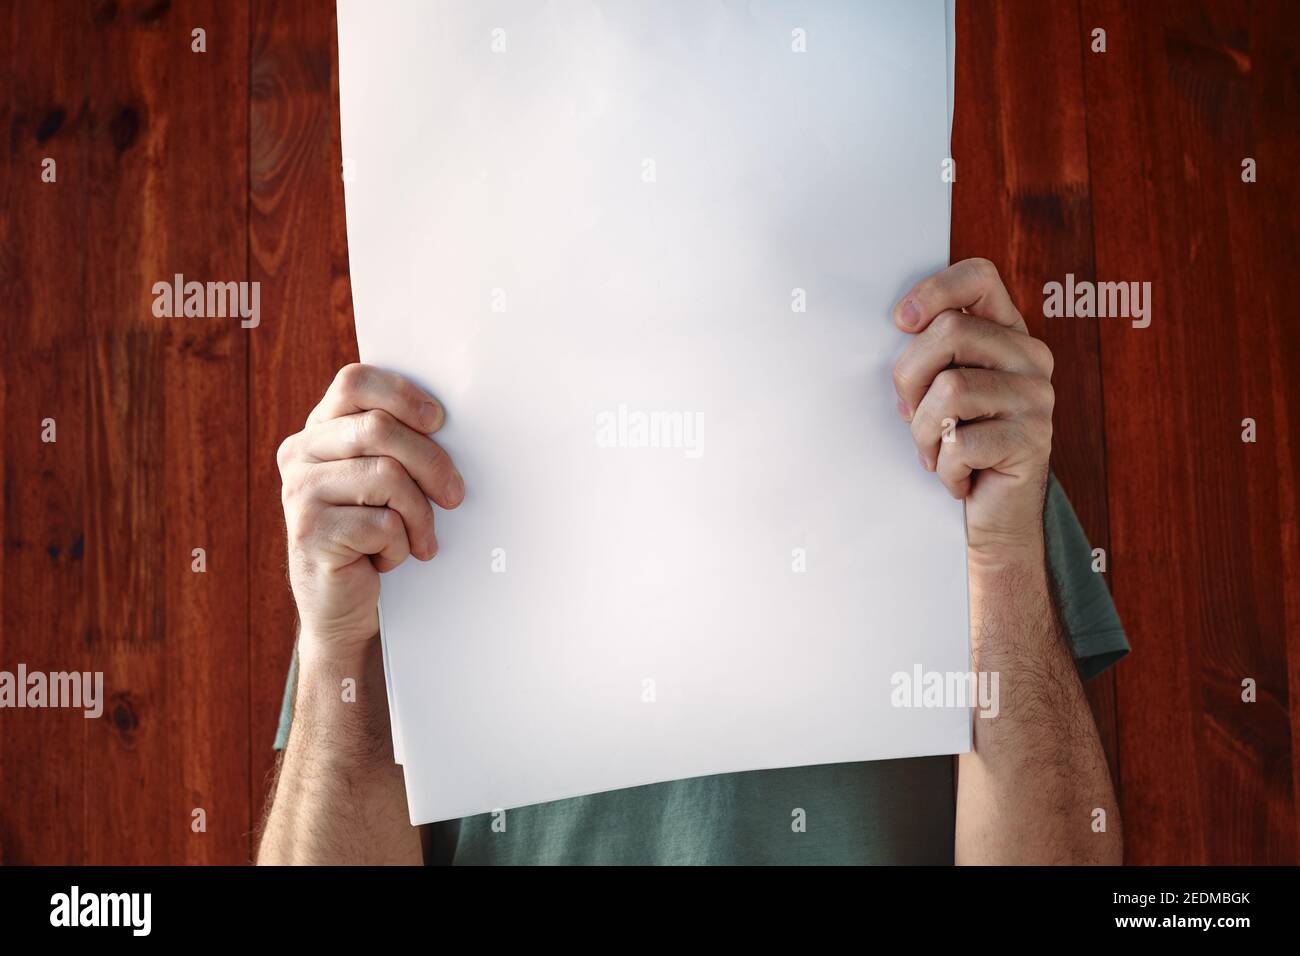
(972, 284)
(359, 388)
(343, 534)
(964, 395)
(377, 482)
(981, 446)
(955, 338)
(376, 433)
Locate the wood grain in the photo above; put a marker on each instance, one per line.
(299, 254)
(167, 181)
(45, 360)
(1198, 557)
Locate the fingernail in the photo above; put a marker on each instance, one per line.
(922, 459)
(911, 314)
(905, 410)
(455, 486)
(430, 416)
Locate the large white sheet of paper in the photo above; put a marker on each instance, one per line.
(645, 252)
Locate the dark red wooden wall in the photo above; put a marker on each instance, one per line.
(1123, 165)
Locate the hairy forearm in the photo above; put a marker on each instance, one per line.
(339, 797)
(1030, 789)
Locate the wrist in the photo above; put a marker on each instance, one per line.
(1009, 574)
(331, 652)
(340, 705)
(1022, 555)
(1013, 611)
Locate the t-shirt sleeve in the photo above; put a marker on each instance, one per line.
(286, 706)
(1087, 610)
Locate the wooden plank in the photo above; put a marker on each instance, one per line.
(299, 254)
(1198, 560)
(167, 457)
(1263, 237)
(1272, 212)
(42, 252)
(1022, 199)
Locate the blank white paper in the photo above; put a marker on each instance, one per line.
(571, 220)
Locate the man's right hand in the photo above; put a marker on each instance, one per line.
(356, 485)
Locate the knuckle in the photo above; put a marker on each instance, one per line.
(387, 470)
(923, 430)
(982, 270)
(1047, 398)
(299, 537)
(338, 533)
(351, 378)
(951, 384)
(389, 522)
(946, 324)
(948, 463)
(375, 425)
(290, 490)
(284, 453)
(1041, 355)
(900, 378)
(1049, 363)
(302, 523)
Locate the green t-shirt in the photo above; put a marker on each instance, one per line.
(885, 811)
